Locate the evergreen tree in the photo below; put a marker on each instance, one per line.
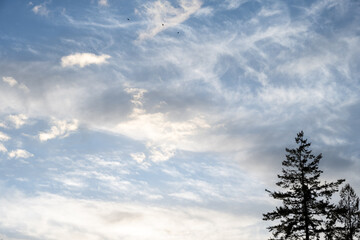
(305, 200)
(331, 227)
(348, 213)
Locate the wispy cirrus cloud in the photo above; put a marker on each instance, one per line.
(232, 4)
(83, 59)
(165, 118)
(3, 148)
(189, 196)
(161, 15)
(12, 83)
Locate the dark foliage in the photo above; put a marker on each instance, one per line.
(305, 200)
(348, 214)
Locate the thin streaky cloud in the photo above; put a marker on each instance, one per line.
(13, 82)
(3, 148)
(161, 15)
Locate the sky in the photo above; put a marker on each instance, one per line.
(168, 119)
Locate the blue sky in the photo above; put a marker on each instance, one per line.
(168, 119)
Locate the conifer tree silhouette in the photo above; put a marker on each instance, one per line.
(305, 200)
(348, 214)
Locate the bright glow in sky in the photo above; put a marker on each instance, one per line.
(162, 119)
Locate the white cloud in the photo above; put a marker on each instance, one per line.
(160, 152)
(10, 80)
(113, 220)
(17, 120)
(103, 2)
(40, 9)
(4, 137)
(162, 15)
(70, 182)
(83, 59)
(187, 196)
(2, 148)
(61, 128)
(162, 135)
(138, 157)
(20, 153)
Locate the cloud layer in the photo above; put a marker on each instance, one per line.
(143, 105)
(99, 220)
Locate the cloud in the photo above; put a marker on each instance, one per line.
(17, 120)
(187, 196)
(4, 137)
(103, 2)
(138, 157)
(233, 4)
(70, 182)
(251, 79)
(83, 59)
(12, 82)
(113, 220)
(160, 152)
(2, 148)
(161, 134)
(20, 153)
(23, 87)
(161, 15)
(61, 128)
(41, 9)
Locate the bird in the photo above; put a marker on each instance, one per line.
(163, 24)
(128, 19)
